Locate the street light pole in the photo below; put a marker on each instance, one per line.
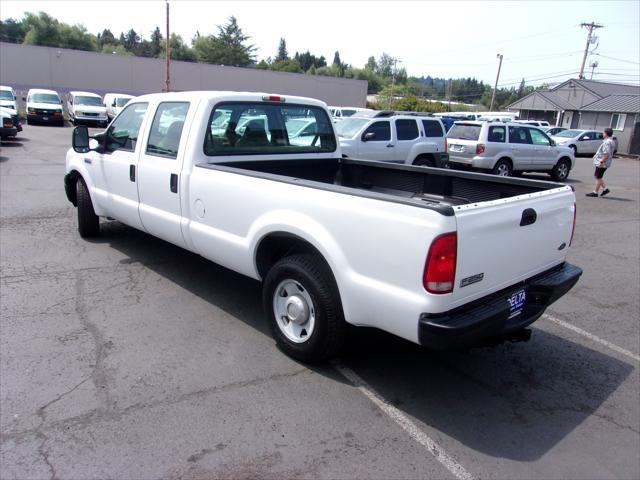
(493, 97)
(168, 56)
(393, 80)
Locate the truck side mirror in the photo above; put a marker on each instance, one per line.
(80, 139)
(552, 142)
(113, 104)
(369, 136)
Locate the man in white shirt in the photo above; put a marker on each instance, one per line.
(602, 160)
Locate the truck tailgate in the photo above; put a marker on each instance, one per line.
(503, 242)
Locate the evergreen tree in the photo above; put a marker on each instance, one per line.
(106, 38)
(282, 51)
(231, 45)
(336, 59)
(156, 43)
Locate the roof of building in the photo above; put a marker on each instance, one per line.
(614, 97)
(615, 103)
(604, 89)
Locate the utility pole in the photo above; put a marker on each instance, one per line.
(393, 80)
(493, 97)
(590, 27)
(593, 67)
(168, 56)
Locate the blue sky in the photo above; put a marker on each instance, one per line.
(541, 41)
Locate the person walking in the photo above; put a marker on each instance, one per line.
(602, 160)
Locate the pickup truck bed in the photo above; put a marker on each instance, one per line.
(425, 187)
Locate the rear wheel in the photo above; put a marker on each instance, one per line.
(303, 308)
(561, 170)
(503, 168)
(88, 221)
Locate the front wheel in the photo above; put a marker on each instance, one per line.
(88, 221)
(561, 171)
(303, 307)
(424, 161)
(503, 168)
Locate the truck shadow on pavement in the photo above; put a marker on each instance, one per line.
(514, 401)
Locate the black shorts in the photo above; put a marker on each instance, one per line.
(599, 173)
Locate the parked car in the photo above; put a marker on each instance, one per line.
(7, 128)
(339, 113)
(115, 102)
(8, 98)
(390, 137)
(497, 116)
(86, 107)
(507, 148)
(311, 225)
(551, 131)
(44, 106)
(582, 142)
(534, 123)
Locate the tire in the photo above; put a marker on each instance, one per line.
(503, 168)
(303, 307)
(88, 221)
(561, 170)
(424, 161)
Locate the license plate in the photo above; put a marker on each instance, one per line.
(517, 302)
(45, 118)
(456, 148)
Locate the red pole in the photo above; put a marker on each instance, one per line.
(168, 55)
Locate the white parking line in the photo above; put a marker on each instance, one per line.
(403, 421)
(592, 337)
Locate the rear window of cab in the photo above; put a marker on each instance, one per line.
(266, 128)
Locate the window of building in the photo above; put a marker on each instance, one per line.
(617, 121)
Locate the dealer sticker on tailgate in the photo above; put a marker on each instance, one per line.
(517, 302)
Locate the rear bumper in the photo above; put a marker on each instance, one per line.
(488, 317)
(6, 132)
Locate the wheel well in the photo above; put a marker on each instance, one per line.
(425, 156)
(506, 159)
(70, 186)
(278, 245)
(566, 159)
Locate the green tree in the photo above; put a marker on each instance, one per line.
(282, 51)
(41, 29)
(232, 47)
(131, 40)
(385, 65)
(178, 50)
(116, 50)
(336, 59)
(106, 38)
(371, 64)
(11, 31)
(156, 43)
(291, 65)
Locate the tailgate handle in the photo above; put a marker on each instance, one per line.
(529, 217)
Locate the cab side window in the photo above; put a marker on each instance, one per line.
(123, 131)
(407, 129)
(382, 131)
(166, 129)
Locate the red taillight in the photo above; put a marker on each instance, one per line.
(440, 269)
(573, 229)
(479, 148)
(446, 146)
(273, 98)
(7, 123)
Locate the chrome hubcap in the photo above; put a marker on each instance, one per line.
(503, 170)
(294, 310)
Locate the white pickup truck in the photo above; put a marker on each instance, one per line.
(443, 258)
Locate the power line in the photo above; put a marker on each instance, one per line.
(591, 27)
(617, 59)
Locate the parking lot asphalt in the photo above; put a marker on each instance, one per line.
(127, 357)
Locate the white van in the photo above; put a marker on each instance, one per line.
(44, 106)
(115, 102)
(86, 107)
(8, 99)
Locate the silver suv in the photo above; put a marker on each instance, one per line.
(507, 148)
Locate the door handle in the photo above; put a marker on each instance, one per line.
(390, 145)
(132, 173)
(173, 183)
(87, 160)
